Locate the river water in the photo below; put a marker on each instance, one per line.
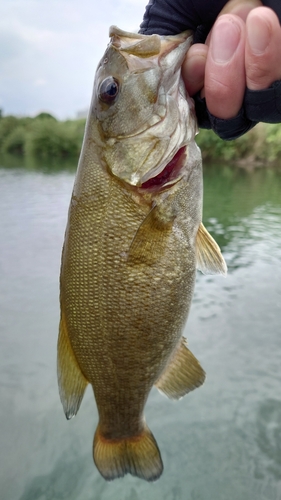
(221, 442)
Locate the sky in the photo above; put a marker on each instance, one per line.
(49, 51)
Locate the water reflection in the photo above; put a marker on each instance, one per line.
(31, 163)
(60, 483)
(268, 428)
(220, 442)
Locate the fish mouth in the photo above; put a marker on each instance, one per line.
(171, 174)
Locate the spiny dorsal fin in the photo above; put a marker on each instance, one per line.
(149, 240)
(72, 383)
(182, 375)
(208, 255)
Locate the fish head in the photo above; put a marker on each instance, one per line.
(144, 117)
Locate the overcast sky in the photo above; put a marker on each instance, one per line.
(49, 50)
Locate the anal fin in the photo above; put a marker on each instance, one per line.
(71, 381)
(208, 254)
(182, 375)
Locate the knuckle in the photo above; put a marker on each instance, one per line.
(258, 74)
(217, 86)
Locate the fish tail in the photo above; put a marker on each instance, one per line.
(137, 455)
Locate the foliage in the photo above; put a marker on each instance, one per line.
(47, 138)
(273, 143)
(214, 148)
(261, 145)
(7, 125)
(14, 142)
(42, 116)
(41, 137)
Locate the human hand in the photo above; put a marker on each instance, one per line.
(242, 90)
(242, 51)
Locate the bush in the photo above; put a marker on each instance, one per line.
(44, 115)
(15, 142)
(41, 137)
(261, 145)
(7, 125)
(215, 149)
(47, 139)
(273, 142)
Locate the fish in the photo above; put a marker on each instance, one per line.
(133, 241)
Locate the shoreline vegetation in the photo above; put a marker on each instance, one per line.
(46, 138)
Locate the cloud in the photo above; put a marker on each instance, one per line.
(49, 50)
(39, 82)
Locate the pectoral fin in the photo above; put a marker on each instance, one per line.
(182, 375)
(72, 383)
(208, 254)
(149, 240)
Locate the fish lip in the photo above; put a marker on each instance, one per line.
(154, 159)
(118, 32)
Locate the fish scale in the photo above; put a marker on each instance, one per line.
(129, 257)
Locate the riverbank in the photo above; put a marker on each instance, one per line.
(259, 147)
(44, 137)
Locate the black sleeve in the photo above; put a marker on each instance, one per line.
(274, 5)
(170, 17)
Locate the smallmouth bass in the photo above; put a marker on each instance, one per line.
(133, 240)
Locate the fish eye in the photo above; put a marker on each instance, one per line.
(108, 90)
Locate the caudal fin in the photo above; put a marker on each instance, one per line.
(138, 455)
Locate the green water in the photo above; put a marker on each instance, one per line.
(222, 442)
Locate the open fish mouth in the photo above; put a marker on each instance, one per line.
(169, 175)
(139, 79)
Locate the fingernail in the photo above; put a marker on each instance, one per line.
(258, 34)
(240, 8)
(225, 39)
